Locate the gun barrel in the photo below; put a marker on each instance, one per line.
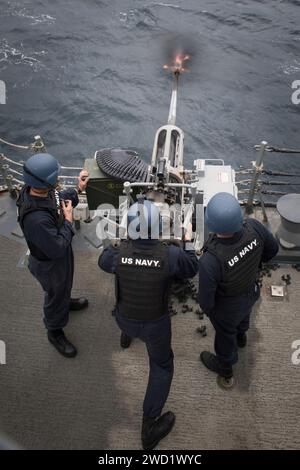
(168, 143)
(173, 104)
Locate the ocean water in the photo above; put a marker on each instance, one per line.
(87, 74)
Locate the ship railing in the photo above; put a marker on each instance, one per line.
(256, 184)
(11, 175)
(11, 180)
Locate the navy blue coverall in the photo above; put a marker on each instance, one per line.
(155, 333)
(56, 273)
(229, 315)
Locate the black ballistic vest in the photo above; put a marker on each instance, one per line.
(142, 281)
(239, 261)
(50, 204)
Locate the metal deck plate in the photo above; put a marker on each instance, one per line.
(98, 396)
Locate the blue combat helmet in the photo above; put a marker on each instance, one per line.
(41, 171)
(223, 214)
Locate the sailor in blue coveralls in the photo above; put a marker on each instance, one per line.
(144, 269)
(228, 269)
(45, 216)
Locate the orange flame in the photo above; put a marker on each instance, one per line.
(177, 64)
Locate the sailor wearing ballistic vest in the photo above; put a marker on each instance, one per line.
(144, 268)
(45, 216)
(228, 270)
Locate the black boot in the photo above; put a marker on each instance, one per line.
(78, 304)
(125, 341)
(60, 342)
(154, 430)
(241, 339)
(212, 362)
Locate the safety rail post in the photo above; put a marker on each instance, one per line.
(11, 187)
(8, 179)
(38, 144)
(3, 168)
(263, 207)
(258, 166)
(2, 159)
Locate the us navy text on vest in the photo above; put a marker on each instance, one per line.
(148, 263)
(250, 247)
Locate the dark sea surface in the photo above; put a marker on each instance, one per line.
(87, 74)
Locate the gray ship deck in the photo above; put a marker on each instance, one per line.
(94, 401)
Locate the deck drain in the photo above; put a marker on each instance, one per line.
(224, 383)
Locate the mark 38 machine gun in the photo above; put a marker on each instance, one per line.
(117, 172)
